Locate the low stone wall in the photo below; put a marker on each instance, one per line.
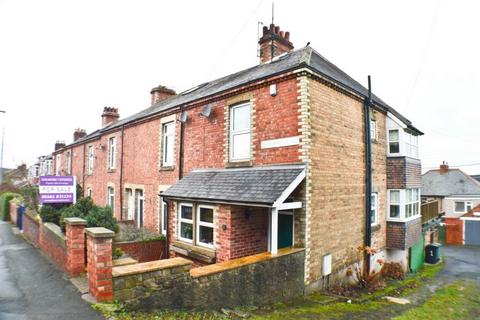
(143, 251)
(172, 284)
(53, 244)
(31, 228)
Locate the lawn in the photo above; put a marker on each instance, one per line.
(458, 300)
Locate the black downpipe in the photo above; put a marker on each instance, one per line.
(121, 175)
(368, 175)
(180, 156)
(83, 171)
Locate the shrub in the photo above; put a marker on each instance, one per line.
(4, 205)
(51, 213)
(364, 278)
(393, 270)
(31, 196)
(101, 217)
(117, 253)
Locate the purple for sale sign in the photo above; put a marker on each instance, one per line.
(57, 189)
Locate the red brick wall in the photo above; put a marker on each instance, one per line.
(143, 251)
(54, 247)
(403, 172)
(31, 229)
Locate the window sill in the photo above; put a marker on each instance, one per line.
(194, 252)
(403, 219)
(239, 164)
(111, 170)
(375, 227)
(167, 168)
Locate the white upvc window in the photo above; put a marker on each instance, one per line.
(89, 192)
(168, 143)
(462, 206)
(205, 228)
(403, 204)
(373, 130)
(163, 216)
(130, 203)
(240, 132)
(411, 145)
(185, 222)
(112, 152)
(48, 170)
(58, 165)
(90, 160)
(69, 162)
(374, 209)
(140, 201)
(394, 141)
(111, 197)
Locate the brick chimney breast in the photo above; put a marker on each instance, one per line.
(109, 115)
(161, 93)
(79, 133)
(273, 43)
(59, 145)
(444, 168)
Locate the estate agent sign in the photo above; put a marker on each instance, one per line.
(57, 189)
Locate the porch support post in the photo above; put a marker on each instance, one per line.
(274, 233)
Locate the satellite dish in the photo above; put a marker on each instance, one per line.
(183, 117)
(206, 111)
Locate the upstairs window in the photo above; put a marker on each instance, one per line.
(411, 145)
(58, 165)
(412, 203)
(463, 206)
(404, 204)
(111, 153)
(394, 141)
(69, 162)
(240, 132)
(168, 136)
(90, 160)
(394, 200)
(373, 130)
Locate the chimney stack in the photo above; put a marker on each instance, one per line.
(161, 93)
(78, 133)
(109, 115)
(59, 145)
(443, 168)
(273, 43)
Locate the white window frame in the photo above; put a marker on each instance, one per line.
(180, 220)
(412, 203)
(163, 216)
(112, 152)
(58, 164)
(403, 204)
(395, 141)
(373, 130)
(204, 224)
(168, 153)
(399, 204)
(89, 192)
(111, 197)
(233, 133)
(69, 162)
(91, 155)
(466, 204)
(130, 202)
(374, 207)
(139, 210)
(411, 145)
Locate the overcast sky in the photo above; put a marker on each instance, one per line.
(62, 61)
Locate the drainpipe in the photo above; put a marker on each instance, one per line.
(368, 174)
(83, 170)
(180, 156)
(121, 175)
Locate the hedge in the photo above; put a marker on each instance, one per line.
(4, 204)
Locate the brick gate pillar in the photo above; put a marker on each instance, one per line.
(75, 244)
(99, 266)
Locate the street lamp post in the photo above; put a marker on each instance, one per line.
(1, 155)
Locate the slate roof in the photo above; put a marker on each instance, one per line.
(257, 185)
(476, 177)
(455, 182)
(302, 58)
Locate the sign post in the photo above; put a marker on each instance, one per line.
(57, 189)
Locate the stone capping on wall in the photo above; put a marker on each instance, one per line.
(100, 232)
(150, 266)
(56, 231)
(240, 262)
(74, 221)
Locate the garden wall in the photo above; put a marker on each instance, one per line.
(53, 244)
(31, 228)
(172, 284)
(143, 251)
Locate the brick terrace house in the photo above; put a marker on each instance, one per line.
(269, 157)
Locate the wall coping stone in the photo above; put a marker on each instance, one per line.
(74, 221)
(56, 231)
(149, 266)
(124, 262)
(100, 232)
(240, 262)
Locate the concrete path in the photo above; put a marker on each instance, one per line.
(461, 262)
(31, 287)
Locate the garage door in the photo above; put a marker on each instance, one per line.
(472, 232)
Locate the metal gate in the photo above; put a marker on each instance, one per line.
(472, 232)
(20, 213)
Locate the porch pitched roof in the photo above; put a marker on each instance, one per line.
(257, 185)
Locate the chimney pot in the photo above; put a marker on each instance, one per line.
(444, 168)
(79, 133)
(109, 115)
(276, 39)
(161, 93)
(59, 145)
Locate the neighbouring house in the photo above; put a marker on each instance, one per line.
(456, 191)
(271, 157)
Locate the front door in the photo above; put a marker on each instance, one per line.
(285, 229)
